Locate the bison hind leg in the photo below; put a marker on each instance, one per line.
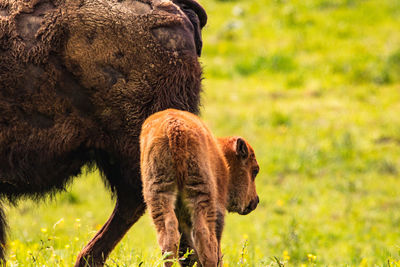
(3, 227)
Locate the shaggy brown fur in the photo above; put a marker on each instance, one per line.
(190, 178)
(77, 79)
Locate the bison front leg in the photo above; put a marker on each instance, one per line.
(128, 209)
(2, 237)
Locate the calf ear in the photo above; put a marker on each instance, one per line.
(241, 148)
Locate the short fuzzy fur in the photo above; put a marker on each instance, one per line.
(77, 80)
(190, 178)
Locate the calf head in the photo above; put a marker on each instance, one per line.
(243, 169)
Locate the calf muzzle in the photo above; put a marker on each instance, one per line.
(252, 206)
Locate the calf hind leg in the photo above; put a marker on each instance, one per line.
(205, 240)
(204, 222)
(161, 207)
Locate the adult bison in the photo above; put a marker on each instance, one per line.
(77, 79)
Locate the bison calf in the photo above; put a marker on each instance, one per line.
(190, 178)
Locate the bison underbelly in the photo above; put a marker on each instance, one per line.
(37, 177)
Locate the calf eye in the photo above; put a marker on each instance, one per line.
(254, 173)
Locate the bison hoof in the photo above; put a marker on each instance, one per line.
(87, 260)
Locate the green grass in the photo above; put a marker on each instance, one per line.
(315, 87)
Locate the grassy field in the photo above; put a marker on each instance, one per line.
(314, 85)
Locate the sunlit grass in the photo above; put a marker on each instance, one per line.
(315, 87)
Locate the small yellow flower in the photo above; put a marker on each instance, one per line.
(43, 230)
(13, 257)
(303, 265)
(77, 220)
(311, 257)
(279, 203)
(283, 129)
(76, 238)
(286, 255)
(364, 262)
(67, 246)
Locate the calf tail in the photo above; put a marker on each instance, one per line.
(3, 227)
(178, 144)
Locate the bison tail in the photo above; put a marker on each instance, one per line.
(3, 227)
(178, 144)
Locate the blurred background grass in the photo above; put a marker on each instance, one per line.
(314, 85)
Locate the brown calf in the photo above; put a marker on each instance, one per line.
(190, 178)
